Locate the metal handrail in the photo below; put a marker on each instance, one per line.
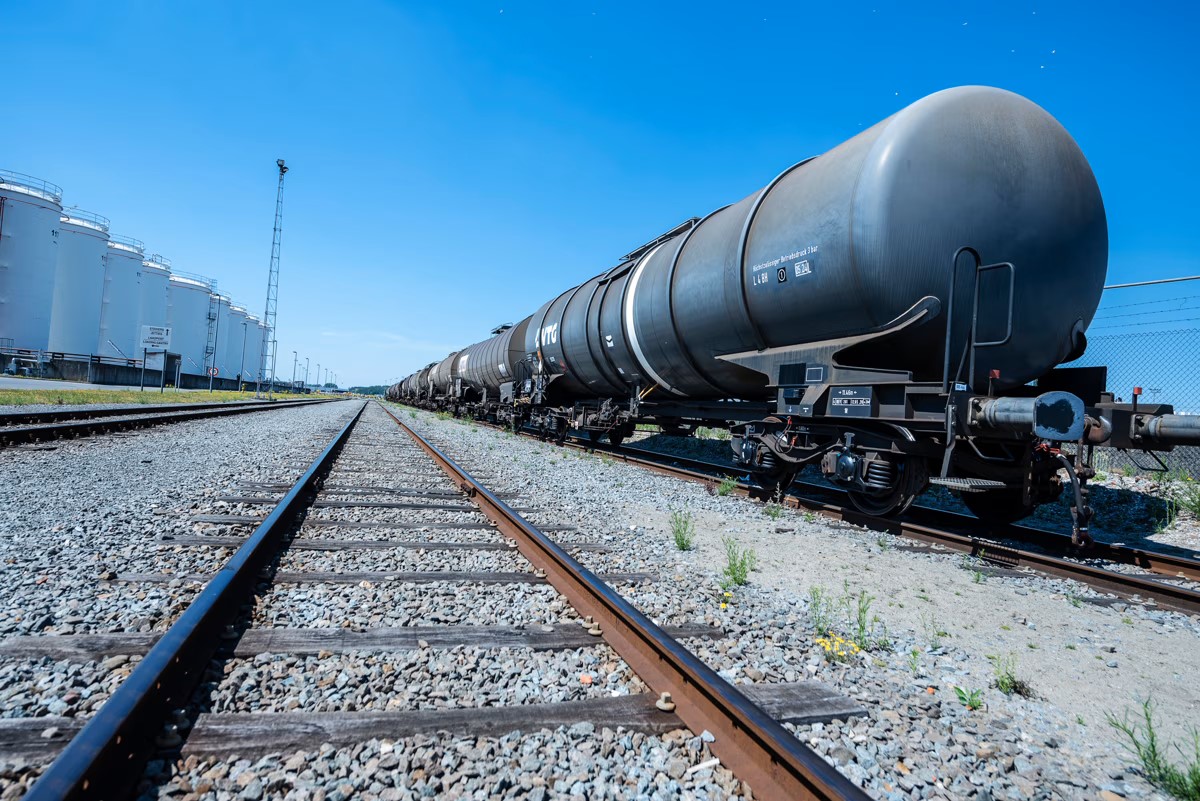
(210, 283)
(160, 261)
(87, 219)
(127, 243)
(32, 185)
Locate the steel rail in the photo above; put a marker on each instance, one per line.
(106, 758)
(757, 748)
(86, 413)
(84, 428)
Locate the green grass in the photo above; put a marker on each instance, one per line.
(773, 510)
(1181, 781)
(85, 397)
(683, 530)
(727, 485)
(738, 563)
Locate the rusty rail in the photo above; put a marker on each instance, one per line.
(757, 748)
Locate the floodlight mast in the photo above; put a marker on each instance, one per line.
(267, 360)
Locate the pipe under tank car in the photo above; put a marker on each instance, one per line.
(881, 311)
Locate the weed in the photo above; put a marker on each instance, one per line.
(883, 541)
(978, 577)
(1101, 475)
(933, 632)
(863, 622)
(1170, 513)
(971, 699)
(773, 510)
(1007, 681)
(1079, 720)
(810, 517)
(1180, 781)
(1186, 495)
(1129, 471)
(413, 415)
(914, 661)
(820, 609)
(683, 530)
(1032, 646)
(837, 648)
(727, 485)
(1127, 620)
(1005, 627)
(738, 563)
(1073, 599)
(1070, 646)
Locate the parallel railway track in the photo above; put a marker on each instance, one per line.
(22, 428)
(145, 716)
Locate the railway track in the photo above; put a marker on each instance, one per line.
(1171, 587)
(305, 565)
(22, 428)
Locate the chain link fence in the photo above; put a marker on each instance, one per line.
(1147, 337)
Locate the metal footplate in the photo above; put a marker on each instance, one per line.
(968, 484)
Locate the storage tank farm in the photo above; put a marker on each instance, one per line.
(120, 303)
(153, 283)
(30, 210)
(237, 337)
(187, 315)
(78, 283)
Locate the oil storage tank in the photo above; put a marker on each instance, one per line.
(78, 283)
(120, 299)
(218, 334)
(253, 347)
(238, 343)
(153, 283)
(30, 209)
(187, 315)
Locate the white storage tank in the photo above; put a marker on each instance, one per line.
(187, 315)
(29, 213)
(218, 334)
(253, 346)
(237, 337)
(153, 296)
(121, 298)
(78, 282)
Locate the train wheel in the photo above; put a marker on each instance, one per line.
(999, 507)
(912, 479)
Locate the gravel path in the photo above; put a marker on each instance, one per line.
(946, 622)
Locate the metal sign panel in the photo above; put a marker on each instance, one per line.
(155, 337)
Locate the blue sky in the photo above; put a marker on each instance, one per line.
(454, 164)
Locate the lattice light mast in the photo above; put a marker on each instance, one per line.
(267, 361)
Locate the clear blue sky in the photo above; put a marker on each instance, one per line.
(457, 163)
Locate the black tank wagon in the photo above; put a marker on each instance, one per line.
(894, 311)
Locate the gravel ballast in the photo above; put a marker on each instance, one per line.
(948, 623)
